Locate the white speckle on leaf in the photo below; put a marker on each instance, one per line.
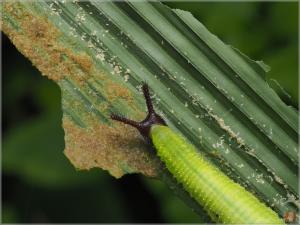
(126, 77)
(117, 69)
(83, 36)
(80, 16)
(259, 178)
(240, 165)
(100, 55)
(90, 44)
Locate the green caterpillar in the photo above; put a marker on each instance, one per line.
(224, 200)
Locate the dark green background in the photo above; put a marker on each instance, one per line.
(40, 185)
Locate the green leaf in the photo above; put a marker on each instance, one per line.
(100, 52)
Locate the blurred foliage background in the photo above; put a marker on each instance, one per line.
(40, 185)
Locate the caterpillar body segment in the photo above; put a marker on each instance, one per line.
(223, 199)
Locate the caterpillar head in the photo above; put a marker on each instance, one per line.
(152, 117)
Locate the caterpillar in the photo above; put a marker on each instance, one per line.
(224, 200)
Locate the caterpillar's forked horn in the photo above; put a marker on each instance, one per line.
(151, 118)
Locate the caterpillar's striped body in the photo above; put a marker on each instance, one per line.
(223, 199)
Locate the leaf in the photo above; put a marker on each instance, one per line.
(100, 52)
(118, 152)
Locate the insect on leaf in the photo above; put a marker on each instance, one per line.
(99, 53)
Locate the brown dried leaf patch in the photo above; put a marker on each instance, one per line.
(38, 39)
(109, 148)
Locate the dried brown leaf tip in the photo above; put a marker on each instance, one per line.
(109, 148)
(39, 40)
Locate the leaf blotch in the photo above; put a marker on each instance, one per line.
(39, 40)
(116, 91)
(109, 148)
(83, 60)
